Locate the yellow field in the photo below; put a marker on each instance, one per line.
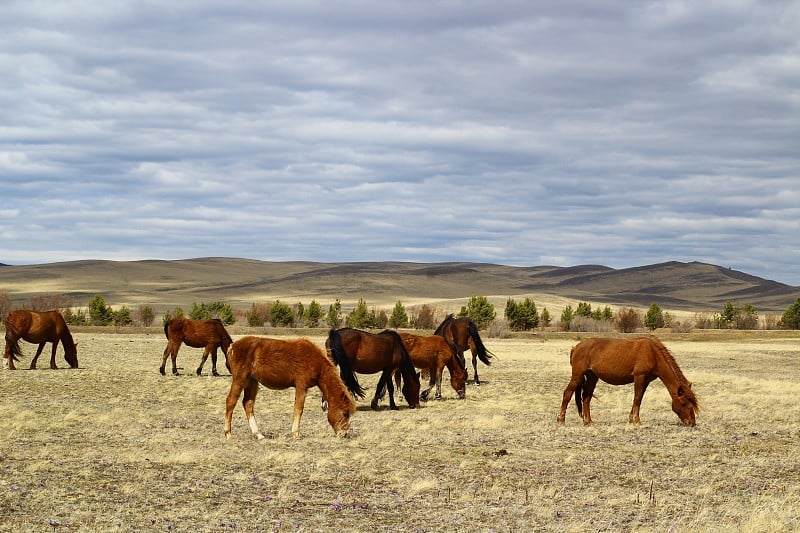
(114, 445)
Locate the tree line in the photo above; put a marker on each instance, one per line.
(518, 315)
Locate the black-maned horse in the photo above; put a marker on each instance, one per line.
(370, 353)
(38, 327)
(462, 334)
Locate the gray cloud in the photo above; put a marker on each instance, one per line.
(518, 133)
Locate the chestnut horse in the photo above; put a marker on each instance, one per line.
(208, 334)
(38, 327)
(432, 353)
(462, 334)
(623, 361)
(280, 364)
(369, 353)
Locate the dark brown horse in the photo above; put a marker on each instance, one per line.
(623, 361)
(433, 353)
(280, 364)
(462, 334)
(207, 334)
(38, 327)
(369, 353)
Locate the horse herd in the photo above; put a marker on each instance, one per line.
(300, 364)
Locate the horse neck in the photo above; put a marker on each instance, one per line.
(668, 369)
(67, 340)
(329, 381)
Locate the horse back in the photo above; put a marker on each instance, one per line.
(276, 363)
(615, 361)
(35, 326)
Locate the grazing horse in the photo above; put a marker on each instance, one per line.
(208, 334)
(623, 361)
(280, 364)
(432, 353)
(462, 334)
(369, 353)
(38, 327)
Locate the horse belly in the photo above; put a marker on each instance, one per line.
(614, 371)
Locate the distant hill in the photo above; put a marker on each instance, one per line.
(240, 282)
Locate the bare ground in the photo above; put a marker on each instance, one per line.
(115, 446)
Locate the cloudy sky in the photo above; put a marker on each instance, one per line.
(515, 132)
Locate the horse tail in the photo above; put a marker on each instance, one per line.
(483, 354)
(406, 366)
(340, 358)
(579, 395)
(166, 328)
(12, 341)
(229, 354)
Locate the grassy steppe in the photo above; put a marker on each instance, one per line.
(115, 446)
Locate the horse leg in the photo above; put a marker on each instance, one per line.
(299, 402)
(203, 360)
(640, 383)
(574, 381)
(175, 359)
(237, 386)
(38, 353)
(167, 353)
(53, 355)
(8, 359)
(588, 391)
(214, 362)
(379, 392)
(431, 382)
(439, 371)
(249, 401)
(475, 367)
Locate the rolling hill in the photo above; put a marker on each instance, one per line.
(240, 282)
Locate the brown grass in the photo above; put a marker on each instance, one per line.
(114, 445)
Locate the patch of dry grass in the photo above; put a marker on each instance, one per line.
(114, 445)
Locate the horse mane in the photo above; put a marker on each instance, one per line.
(340, 358)
(440, 328)
(673, 365)
(406, 366)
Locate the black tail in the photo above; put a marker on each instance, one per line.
(483, 354)
(407, 368)
(166, 329)
(14, 351)
(340, 358)
(579, 396)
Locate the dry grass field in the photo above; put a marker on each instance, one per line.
(116, 446)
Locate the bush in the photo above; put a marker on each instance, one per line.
(424, 318)
(99, 313)
(544, 318)
(258, 315)
(566, 317)
(281, 314)
(213, 310)
(399, 318)
(313, 314)
(628, 320)
(122, 317)
(145, 315)
(334, 317)
(522, 316)
(480, 310)
(791, 317)
(654, 318)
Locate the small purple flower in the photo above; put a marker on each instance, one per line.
(267, 498)
(336, 506)
(15, 487)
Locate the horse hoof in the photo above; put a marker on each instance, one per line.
(215, 373)
(374, 406)
(198, 372)
(162, 371)
(395, 408)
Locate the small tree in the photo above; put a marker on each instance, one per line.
(654, 318)
(75, 318)
(566, 317)
(522, 316)
(399, 317)
(99, 313)
(122, 317)
(5, 304)
(169, 315)
(747, 317)
(334, 316)
(281, 314)
(584, 309)
(258, 315)
(480, 310)
(424, 318)
(628, 320)
(313, 314)
(544, 318)
(728, 315)
(145, 315)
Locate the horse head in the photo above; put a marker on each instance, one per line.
(684, 404)
(71, 354)
(411, 390)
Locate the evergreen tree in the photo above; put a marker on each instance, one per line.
(654, 318)
(522, 316)
(99, 313)
(566, 317)
(334, 317)
(281, 314)
(313, 314)
(399, 318)
(480, 310)
(791, 317)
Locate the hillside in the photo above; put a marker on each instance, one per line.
(240, 282)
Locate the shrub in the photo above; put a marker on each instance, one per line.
(628, 320)
(480, 310)
(522, 316)
(654, 317)
(281, 314)
(791, 317)
(258, 315)
(145, 315)
(334, 317)
(99, 313)
(313, 314)
(424, 318)
(566, 317)
(399, 318)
